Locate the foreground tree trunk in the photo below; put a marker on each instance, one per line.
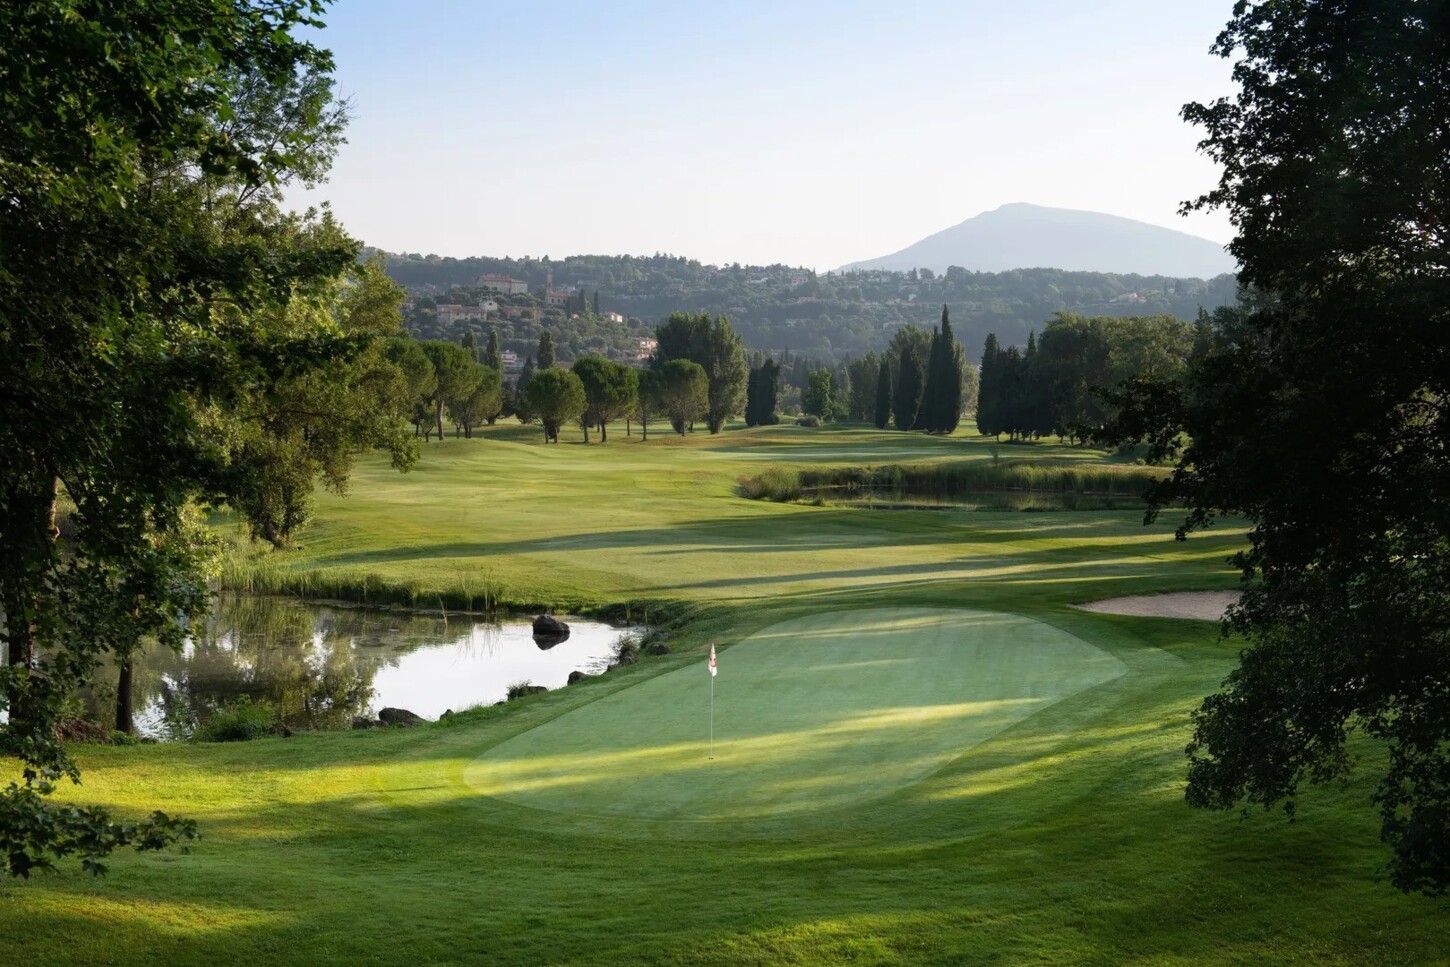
(124, 721)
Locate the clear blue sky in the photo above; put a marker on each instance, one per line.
(800, 131)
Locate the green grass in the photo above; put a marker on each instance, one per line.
(816, 713)
(1049, 829)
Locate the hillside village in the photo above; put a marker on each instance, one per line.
(610, 304)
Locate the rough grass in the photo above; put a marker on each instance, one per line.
(999, 484)
(1060, 839)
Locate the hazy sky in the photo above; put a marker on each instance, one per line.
(798, 131)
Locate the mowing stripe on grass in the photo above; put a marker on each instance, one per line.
(813, 713)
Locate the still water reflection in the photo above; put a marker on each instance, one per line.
(322, 666)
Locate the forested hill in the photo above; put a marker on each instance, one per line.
(828, 315)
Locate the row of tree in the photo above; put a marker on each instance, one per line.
(1056, 386)
(695, 375)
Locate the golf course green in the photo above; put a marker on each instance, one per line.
(923, 753)
(816, 713)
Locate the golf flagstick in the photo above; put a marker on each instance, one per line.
(712, 701)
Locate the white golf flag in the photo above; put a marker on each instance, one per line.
(713, 670)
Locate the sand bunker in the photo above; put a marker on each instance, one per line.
(1193, 605)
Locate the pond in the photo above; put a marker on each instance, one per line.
(322, 666)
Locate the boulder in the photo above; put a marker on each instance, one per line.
(548, 626)
(400, 717)
(576, 676)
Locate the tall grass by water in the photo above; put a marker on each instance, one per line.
(995, 484)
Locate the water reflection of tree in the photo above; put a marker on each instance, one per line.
(300, 658)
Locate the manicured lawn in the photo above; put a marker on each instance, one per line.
(925, 756)
(816, 713)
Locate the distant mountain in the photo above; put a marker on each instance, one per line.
(1022, 236)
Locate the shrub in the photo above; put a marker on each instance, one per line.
(626, 649)
(808, 420)
(524, 689)
(777, 483)
(238, 721)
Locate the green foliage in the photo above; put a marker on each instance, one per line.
(684, 392)
(649, 399)
(240, 720)
(862, 379)
(1317, 410)
(194, 341)
(493, 354)
(611, 392)
(884, 395)
(479, 398)
(831, 317)
(285, 431)
(962, 481)
(942, 397)
(556, 396)
(910, 382)
(719, 352)
(818, 399)
(457, 375)
(522, 409)
(545, 355)
(762, 394)
(1059, 384)
(775, 483)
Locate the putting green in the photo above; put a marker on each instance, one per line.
(810, 714)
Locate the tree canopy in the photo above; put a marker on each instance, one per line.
(684, 392)
(555, 397)
(611, 391)
(1318, 411)
(718, 350)
(157, 304)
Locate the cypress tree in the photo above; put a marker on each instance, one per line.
(596, 302)
(1012, 394)
(752, 397)
(928, 418)
(493, 355)
(470, 345)
(883, 394)
(907, 404)
(546, 350)
(989, 389)
(769, 393)
(948, 394)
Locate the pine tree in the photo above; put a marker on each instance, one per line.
(907, 403)
(546, 350)
(883, 395)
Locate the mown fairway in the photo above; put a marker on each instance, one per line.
(925, 755)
